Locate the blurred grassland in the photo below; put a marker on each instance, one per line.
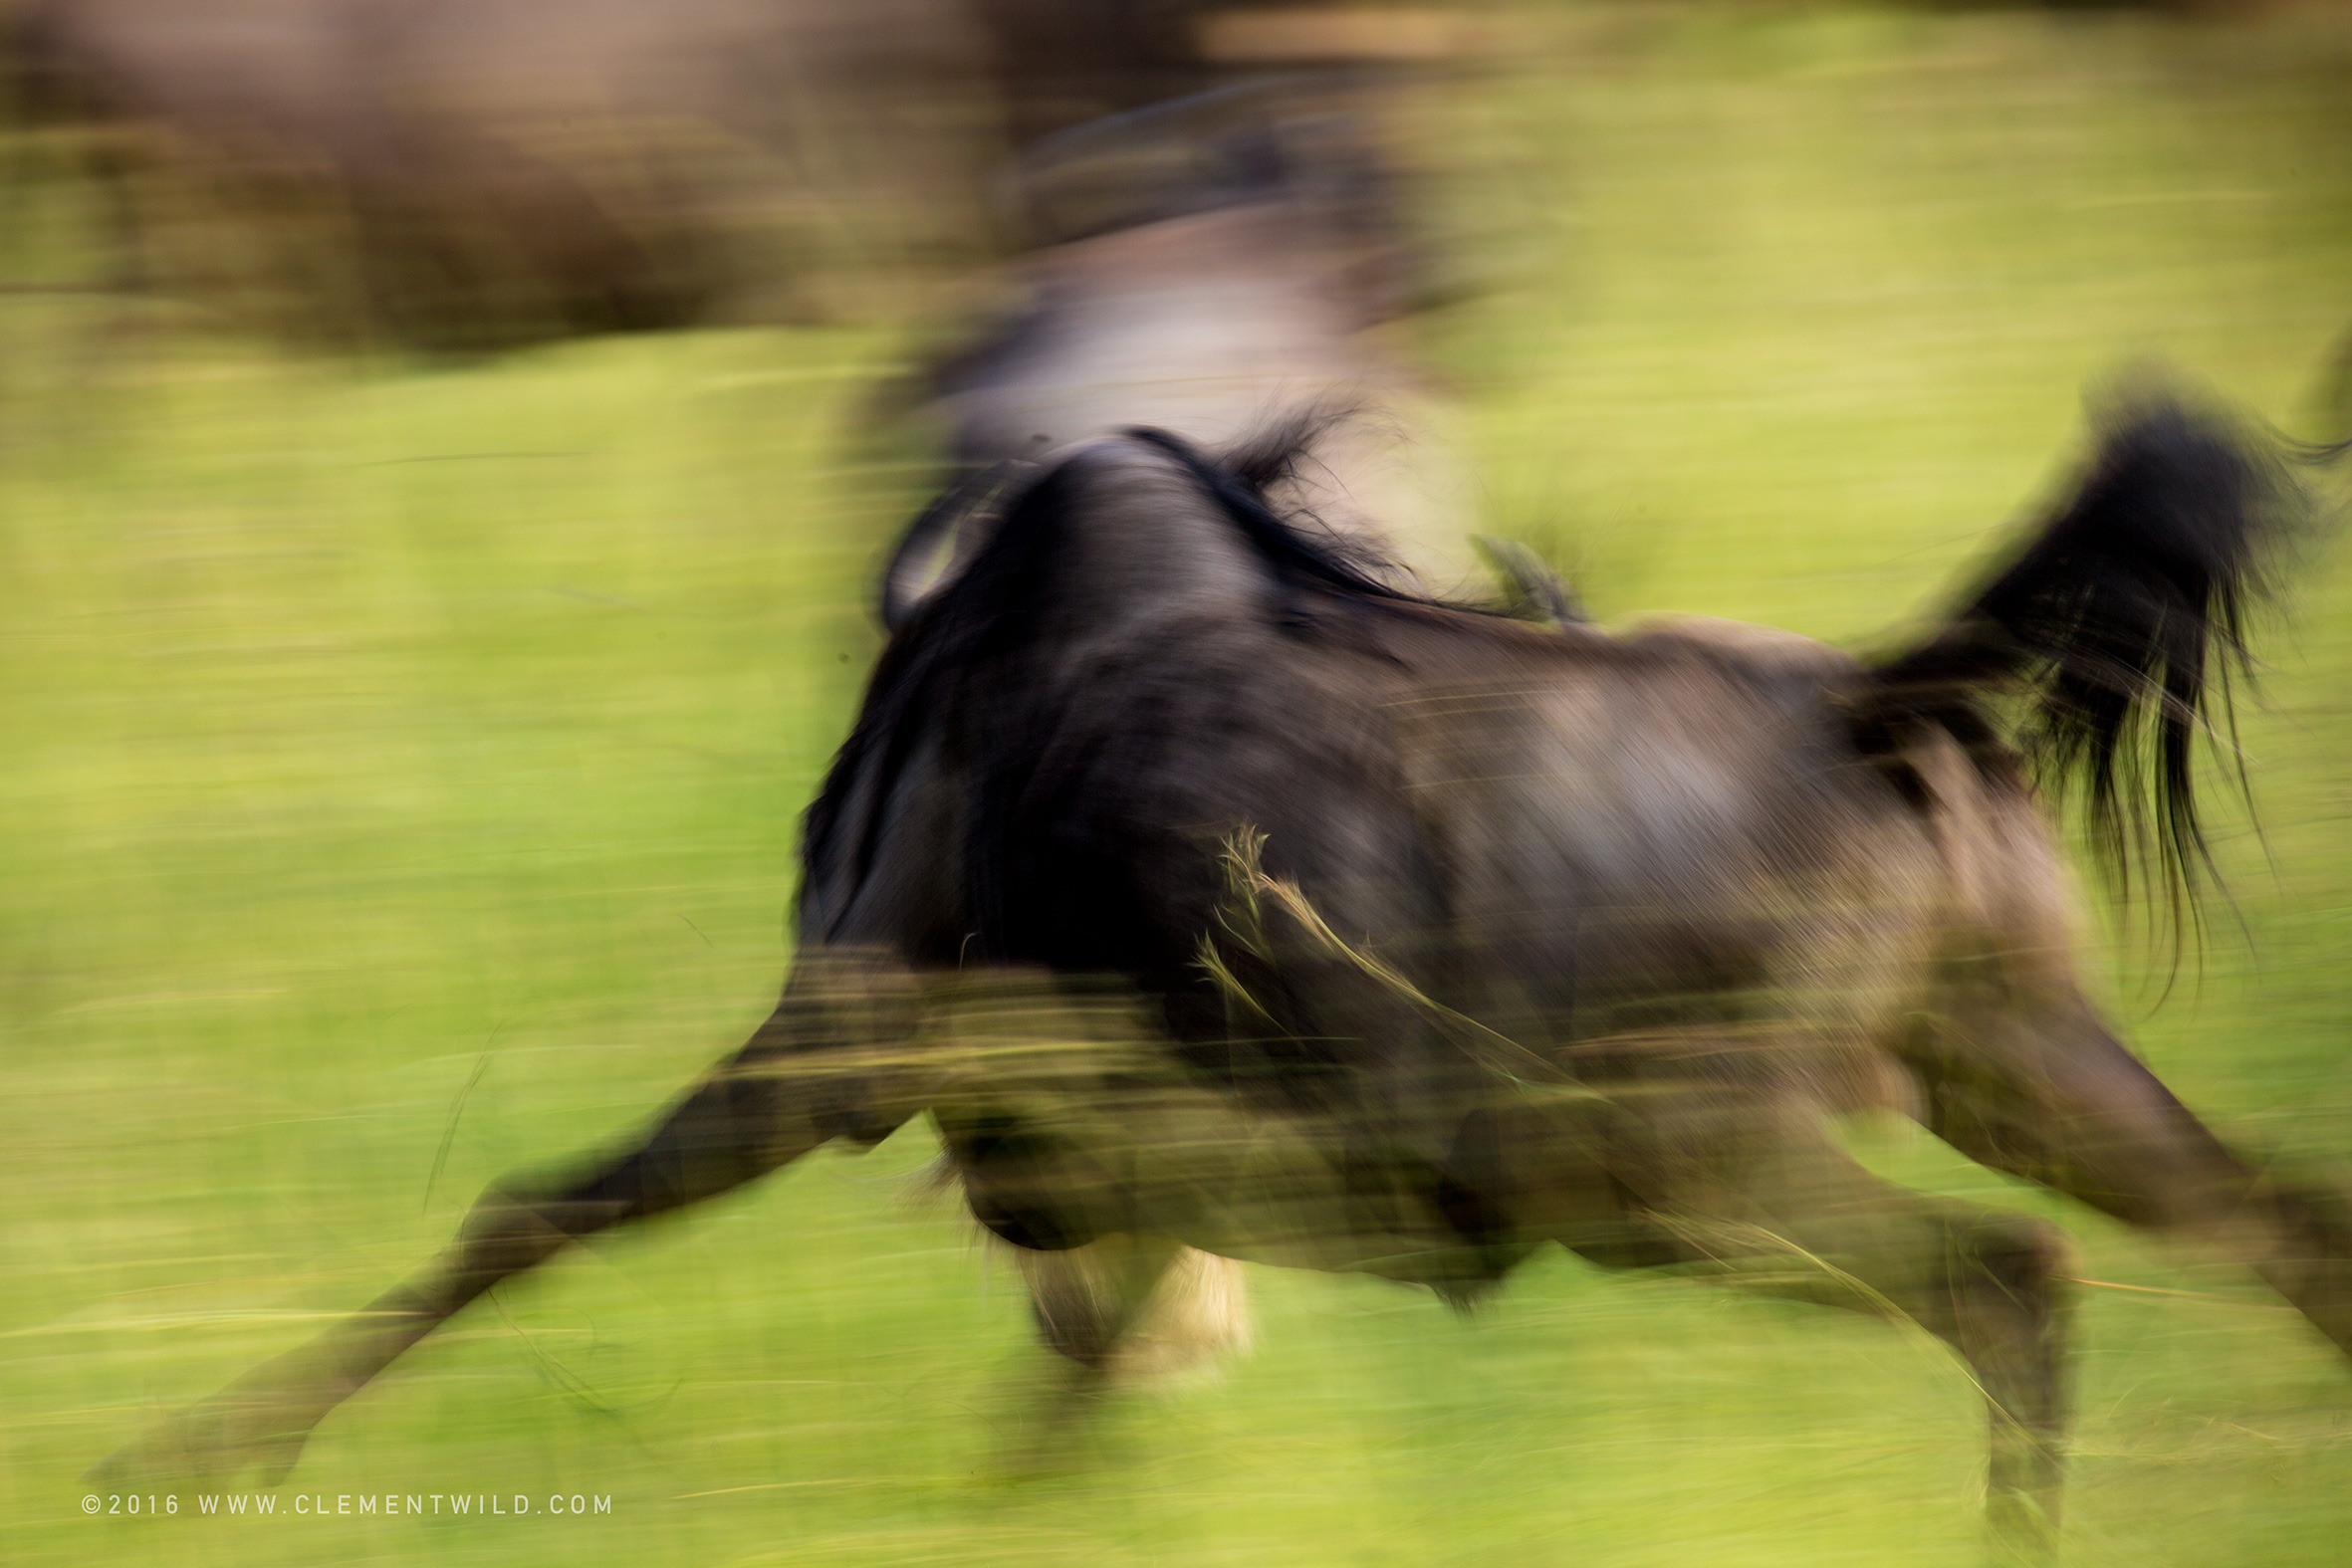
(383, 739)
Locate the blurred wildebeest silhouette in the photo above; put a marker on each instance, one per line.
(1207, 891)
(504, 171)
(498, 170)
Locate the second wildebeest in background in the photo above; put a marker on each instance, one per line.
(500, 170)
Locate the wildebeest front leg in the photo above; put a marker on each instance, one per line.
(1756, 1184)
(829, 1062)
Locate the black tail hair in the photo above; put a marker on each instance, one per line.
(2120, 622)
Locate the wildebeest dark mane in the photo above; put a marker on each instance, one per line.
(1241, 481)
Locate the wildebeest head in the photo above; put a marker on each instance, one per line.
(1211, 268)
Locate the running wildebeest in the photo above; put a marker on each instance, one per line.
(1209, 892)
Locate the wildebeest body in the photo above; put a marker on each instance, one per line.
(1558, 835)
(1205, 891)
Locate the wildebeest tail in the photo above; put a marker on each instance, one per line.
(2107, 638)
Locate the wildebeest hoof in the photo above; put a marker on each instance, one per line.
(216, 1440)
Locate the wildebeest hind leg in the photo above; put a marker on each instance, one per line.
(1760, 1188)
(827, 1063)
(2059, 1100)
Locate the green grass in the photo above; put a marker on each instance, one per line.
(374, 731)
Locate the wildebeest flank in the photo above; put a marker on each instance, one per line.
(1205, 891)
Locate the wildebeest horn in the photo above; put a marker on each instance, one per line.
(950, 518)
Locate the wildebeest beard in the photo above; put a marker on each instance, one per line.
(1209, 892)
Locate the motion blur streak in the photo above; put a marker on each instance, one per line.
(448, 455)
